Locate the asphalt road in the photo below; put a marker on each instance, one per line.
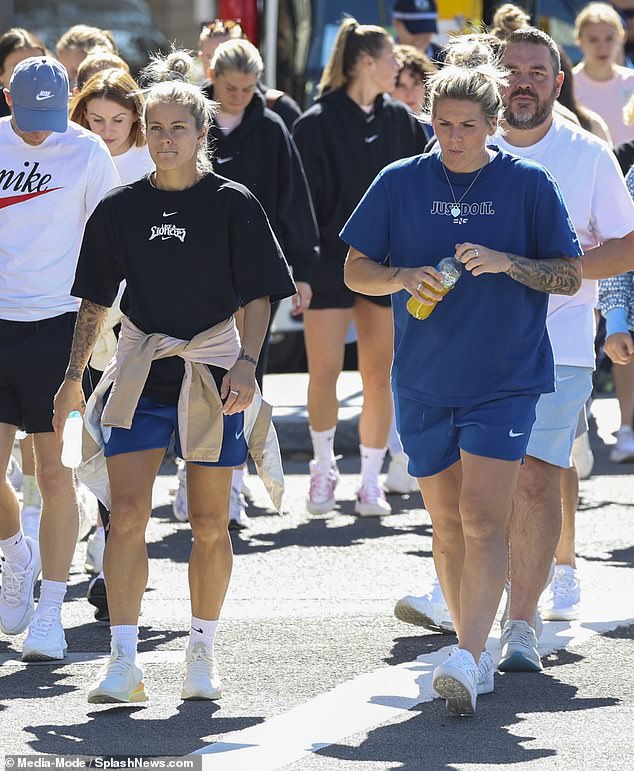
(318, 674)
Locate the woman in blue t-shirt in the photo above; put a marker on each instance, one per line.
(467, 378)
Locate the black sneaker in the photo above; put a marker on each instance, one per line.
(97, 596)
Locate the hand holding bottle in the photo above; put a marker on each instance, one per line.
(449, 270)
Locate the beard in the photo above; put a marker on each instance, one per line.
(525, 119)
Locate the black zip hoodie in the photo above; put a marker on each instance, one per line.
(261, 154)
(343, 149)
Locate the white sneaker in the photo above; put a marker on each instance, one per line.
(16, 593)
(238, 519)
(563, 596)
(398, 480)
(456, 680)
(486, 672)
(14, 473)
(202, 680)
(519, 648)
(45, 640)
(119, 681)
(179, 504)
(623, 450)
(429, 610)
(371, 501)
(174, 482)
(30, 518)
(94, 551)
(323, 481)
(582, 455)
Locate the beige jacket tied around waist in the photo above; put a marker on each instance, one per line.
(200, 416)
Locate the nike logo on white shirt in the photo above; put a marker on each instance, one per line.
(371, 139)
(169, 213)
(224, 160)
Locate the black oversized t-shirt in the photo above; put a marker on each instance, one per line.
(190, 258)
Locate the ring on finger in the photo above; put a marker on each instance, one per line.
(476, 252)
(419, 287)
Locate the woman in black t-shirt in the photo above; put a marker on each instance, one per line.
(192, 248)
(345, 139)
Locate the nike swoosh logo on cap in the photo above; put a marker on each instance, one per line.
(42, 97)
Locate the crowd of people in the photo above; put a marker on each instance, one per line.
(150, 226)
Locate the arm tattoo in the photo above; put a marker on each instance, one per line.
(559, 275)
(90, 320)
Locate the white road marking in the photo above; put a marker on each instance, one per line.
(375, 698)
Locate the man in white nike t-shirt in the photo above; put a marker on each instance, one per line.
(52, 176)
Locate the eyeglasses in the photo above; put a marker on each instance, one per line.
(231, 27)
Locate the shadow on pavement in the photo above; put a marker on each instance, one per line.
(433, 740)
(618, 558)
(123, 730)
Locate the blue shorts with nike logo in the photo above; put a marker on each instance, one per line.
(154, 424)
(433, 436)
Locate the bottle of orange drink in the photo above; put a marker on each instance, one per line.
(450, 269)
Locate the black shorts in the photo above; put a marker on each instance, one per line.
(33, 359)
(329, 290)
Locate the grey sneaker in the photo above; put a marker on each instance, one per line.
(519, 648)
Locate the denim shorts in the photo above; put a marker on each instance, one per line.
(557, 416)
(154, 424)
(433, 436)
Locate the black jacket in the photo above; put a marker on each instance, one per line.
(261, 154)
(625, 155)
(343, 149)
(281, 104)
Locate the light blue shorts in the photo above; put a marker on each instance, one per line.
(557, 416)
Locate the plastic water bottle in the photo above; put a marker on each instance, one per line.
(450, 269)
(71, 440)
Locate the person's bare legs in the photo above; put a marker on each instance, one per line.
(375, 349)
(569, 486)
(623, 375)
(441, 494)
(324, 334)
(60, 514)
(9, 506)
(125, 562)
(27, 453)
(211, 557)
(484, 504)
(534, 532)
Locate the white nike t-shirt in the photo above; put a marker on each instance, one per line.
(47, 194)
(600, 208)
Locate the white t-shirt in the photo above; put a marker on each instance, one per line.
(600, 208)
(608, 98)
(133, 164)
(46, 195)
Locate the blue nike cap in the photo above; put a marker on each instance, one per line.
(418, 16)
(39, 95)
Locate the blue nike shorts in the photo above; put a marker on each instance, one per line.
(433, 436)
(154, 424)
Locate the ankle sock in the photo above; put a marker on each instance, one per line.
(52, 595)
(202, 631)
(323, 445)
(371, 464)
(125, 637)
(16, 549)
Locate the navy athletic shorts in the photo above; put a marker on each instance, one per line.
(154, 424)
(433, 436)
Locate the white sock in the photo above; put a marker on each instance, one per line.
(323, 444)
(52, 595)
(16, 550)
(394, 444)
(202, 631)
(125, 637)
(371, 464)
(30, 492)
(236, 479)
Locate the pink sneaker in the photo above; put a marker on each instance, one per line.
(323, 480)
(371, 501)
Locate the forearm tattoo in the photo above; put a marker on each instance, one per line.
(559, 275)
(88, 326)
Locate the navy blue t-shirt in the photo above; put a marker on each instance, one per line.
(487, 338)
